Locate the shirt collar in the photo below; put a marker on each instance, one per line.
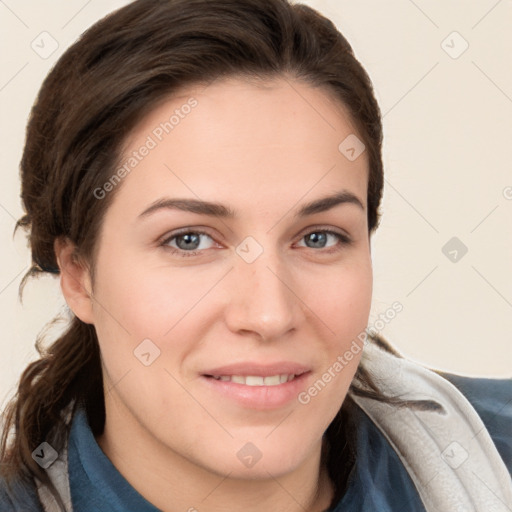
(95, 483)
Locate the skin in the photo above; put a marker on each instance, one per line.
(264, 150)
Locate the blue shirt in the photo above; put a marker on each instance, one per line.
(378, 480)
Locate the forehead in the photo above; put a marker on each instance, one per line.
(245, 140)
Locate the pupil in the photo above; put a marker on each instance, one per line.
(315, 237)
(190, 238)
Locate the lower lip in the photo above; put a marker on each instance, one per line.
(259, 397)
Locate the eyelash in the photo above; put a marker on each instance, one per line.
(343, 240)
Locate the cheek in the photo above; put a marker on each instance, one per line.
(146, 301)
(341, 298)
(343, 306)
(137, 302)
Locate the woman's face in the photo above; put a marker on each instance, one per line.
(216, 280)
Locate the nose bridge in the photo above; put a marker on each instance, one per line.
(262, 300)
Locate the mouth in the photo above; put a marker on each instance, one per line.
(257, 380)
(257, 387)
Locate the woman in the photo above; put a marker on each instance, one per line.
(205, 177)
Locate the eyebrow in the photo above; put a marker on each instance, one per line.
(219, 210)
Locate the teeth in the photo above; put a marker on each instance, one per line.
(257, 380)
(254, 381)
(274, 380)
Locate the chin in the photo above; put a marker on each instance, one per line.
(260, 460)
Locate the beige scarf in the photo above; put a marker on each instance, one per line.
(449, 456)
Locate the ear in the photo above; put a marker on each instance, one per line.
(75, 280)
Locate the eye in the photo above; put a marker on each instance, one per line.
(319, 237)
(187, 243)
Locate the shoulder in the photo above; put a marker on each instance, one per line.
(492, 400)
(18, 497)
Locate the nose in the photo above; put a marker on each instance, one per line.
(263, 299)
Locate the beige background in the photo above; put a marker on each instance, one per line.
(447, 126)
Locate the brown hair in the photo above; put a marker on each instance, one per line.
(94, 96)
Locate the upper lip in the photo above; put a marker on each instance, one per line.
(259, 369)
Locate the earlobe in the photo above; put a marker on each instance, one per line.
(75, 281)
